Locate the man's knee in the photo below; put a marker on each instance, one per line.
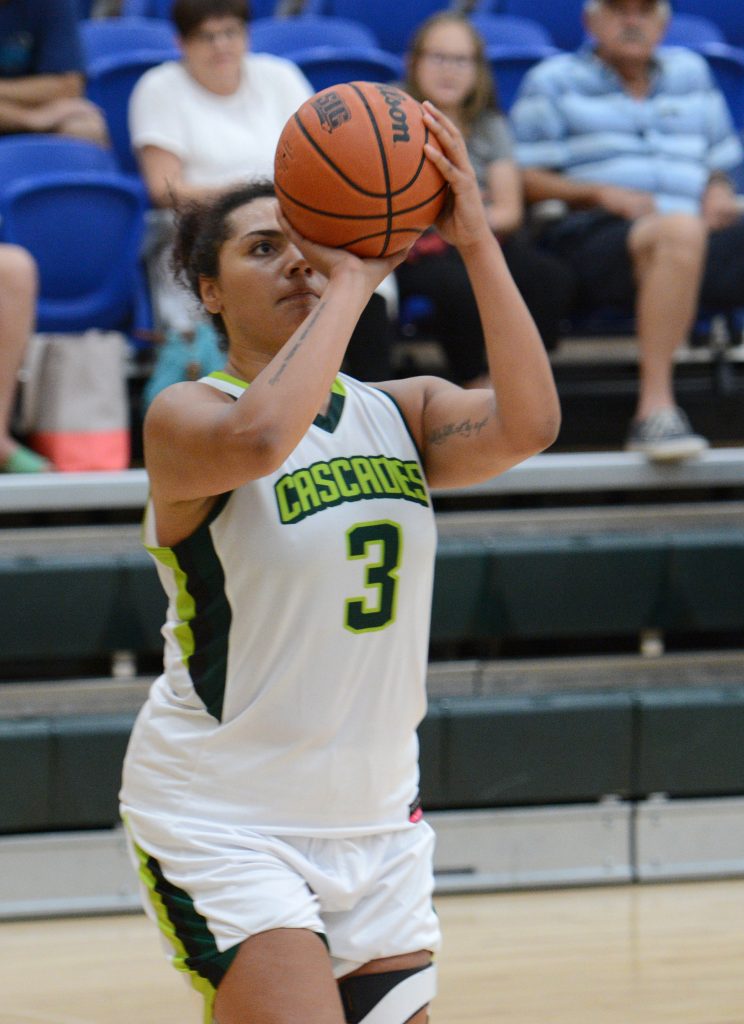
(682, 234)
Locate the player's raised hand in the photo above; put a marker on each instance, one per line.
(463, 220)
(327, 259)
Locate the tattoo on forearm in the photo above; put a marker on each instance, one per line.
(464, 429)
(275, 378)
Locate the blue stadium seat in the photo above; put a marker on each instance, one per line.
(727, 15)
(692, 30)
(727, 64)
(509, 65)
(84, 230)
(117, 52)
(23, 156)
(563, 19)
(162, 8)
(281, 35)
(506, 30)
(324, 66)
(104, 37)
(392, 21)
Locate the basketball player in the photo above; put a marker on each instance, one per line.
(270, 786)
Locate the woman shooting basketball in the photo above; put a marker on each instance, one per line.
(270, 787)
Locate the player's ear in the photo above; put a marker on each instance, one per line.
(211, 295)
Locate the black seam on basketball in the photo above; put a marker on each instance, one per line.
(377, 234)
(358, 216)
(335, 167)
(383, 158)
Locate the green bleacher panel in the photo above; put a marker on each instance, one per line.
(574, 586)
(487, 588)
(704, 583)
(461, 590)
(518, 751)
(689, 742)
(25, 754)
(64, 608)
(61, 773)
(57, 608)
(476, 752)
(85, 770)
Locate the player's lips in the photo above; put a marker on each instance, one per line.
(299, 293)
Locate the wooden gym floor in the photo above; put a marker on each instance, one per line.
(643, 954)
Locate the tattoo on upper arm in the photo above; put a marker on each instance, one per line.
(274, 379)
(466, 428)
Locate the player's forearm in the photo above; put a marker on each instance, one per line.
(528, 411)
(286, 396)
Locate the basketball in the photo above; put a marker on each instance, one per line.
(350, 169)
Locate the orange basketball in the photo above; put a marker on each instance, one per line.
(350, 169)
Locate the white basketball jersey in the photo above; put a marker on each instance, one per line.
(296, 638)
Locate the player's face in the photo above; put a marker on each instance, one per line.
(446, 68)
(627, 30)
(213, 53)
(265, 287)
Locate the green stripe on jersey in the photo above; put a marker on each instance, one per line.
(204, 612)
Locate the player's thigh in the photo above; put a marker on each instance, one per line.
(282, 976)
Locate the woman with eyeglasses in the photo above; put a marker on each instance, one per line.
(447, 64)
(201, 124)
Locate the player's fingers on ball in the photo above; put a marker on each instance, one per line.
(447, 167)
(441, 124)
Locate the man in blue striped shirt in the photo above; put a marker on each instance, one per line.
(636, 141)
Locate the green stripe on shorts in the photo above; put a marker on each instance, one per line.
(195, 951)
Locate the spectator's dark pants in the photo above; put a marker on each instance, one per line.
(368, 355)
(545, 281)
(596, 246)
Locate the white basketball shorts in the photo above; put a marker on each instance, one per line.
(209, 889)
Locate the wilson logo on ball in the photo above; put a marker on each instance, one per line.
(331, 110)
(395, 99)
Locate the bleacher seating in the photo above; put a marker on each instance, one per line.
(328, 65)
(509, 65)
(691, 30)
(508, 31)
(562, 20)
(725, 13)
(26, 155)
(392, 22)
(284, 35)
(117, 52)
(162, 8)
(84, 229)
(727, 65)
(565, 745)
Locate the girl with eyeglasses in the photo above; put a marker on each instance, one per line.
(447, 64)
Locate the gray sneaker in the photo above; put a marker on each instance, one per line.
(665, 436)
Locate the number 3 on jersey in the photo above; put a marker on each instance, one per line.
(380, 544)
